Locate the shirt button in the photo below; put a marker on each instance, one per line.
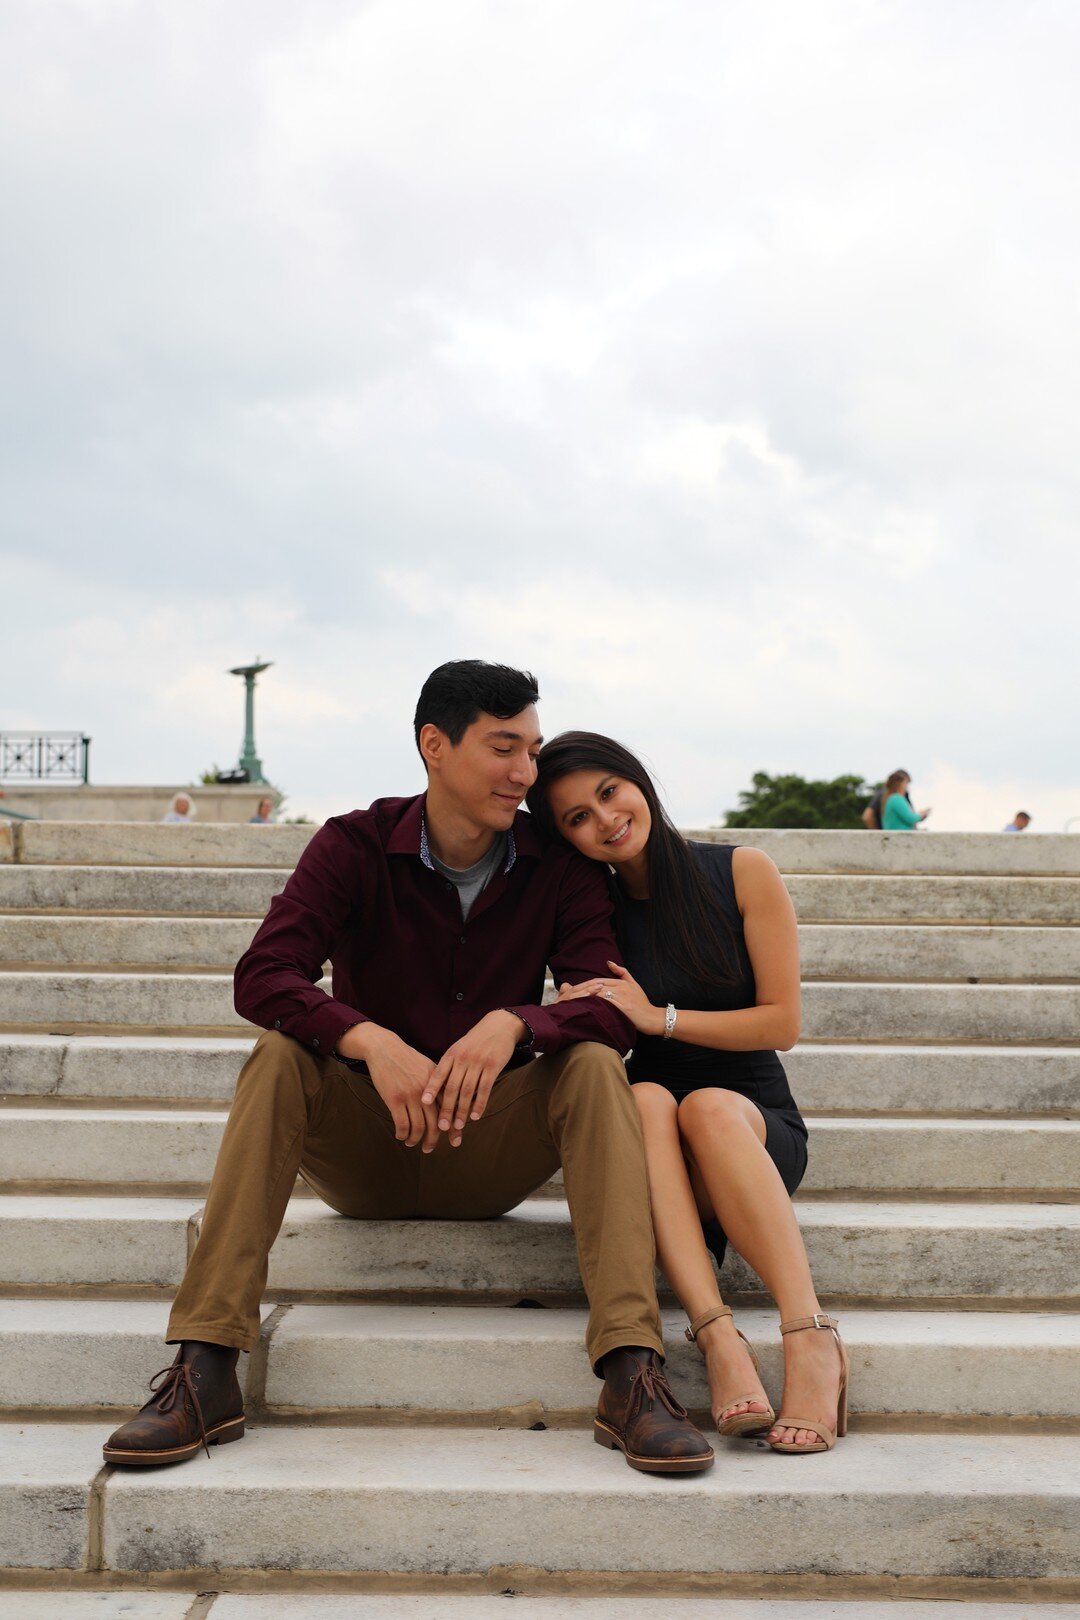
(460, 996)
(449, 886)
(463, 939)
(277, 1023)
(315, 1042)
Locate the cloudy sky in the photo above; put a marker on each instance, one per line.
(715, 359)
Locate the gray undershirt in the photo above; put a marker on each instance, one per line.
(474, 879)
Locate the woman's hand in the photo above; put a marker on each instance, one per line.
(623, 992)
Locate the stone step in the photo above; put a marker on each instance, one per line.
(467, 1500)
(830, 1079)
(943, 1155)
(865, 1012)
(158, 891)
(846, 951)
(818, 898)
(835, 852)
(486, 1359)
(137, 1604)
(901, 1250)
(987, 900)
(151, 942)
(55, 843)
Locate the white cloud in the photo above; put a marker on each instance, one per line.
(716, 362)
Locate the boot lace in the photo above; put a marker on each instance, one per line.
(169, 1383)
(650, 1384)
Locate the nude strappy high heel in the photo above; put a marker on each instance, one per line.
(742, 1423)
(826, 1437)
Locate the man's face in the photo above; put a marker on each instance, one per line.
(486, 776)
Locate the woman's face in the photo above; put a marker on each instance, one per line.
(601, 814)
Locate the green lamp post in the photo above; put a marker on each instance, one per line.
(249, 759)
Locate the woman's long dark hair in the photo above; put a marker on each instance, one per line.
(684, 926)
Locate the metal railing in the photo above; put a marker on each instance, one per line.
(44, 756)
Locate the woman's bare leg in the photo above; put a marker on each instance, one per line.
(724, 1135)
(684, 1258)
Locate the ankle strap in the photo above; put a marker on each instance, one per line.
(818, 1320)
(704, 1319)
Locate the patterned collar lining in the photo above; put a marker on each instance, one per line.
(425, 851)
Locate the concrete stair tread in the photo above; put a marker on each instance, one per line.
(832, 1010)
(794, 850)
(87, 1353)
(916, 1079)
(112, 1146)
(131, 1604)
(351, 1499)
(835, 952)
(1023, 1251)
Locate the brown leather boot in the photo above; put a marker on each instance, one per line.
(638, 1414)
(196, 1402)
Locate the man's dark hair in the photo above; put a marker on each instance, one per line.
(456, 694)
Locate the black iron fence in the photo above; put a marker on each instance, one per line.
(44, 756)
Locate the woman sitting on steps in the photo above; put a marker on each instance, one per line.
(711, 983)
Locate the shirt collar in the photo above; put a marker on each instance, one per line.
(425, 848)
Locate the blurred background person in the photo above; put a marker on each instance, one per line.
(1019, 822)
(898, 813)
(182, 808)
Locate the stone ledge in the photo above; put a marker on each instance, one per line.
(432, 1500)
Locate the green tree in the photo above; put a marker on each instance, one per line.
(792, 801)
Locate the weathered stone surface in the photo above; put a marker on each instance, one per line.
(45, 1477)
(138, 1000)
(831, 1011)
(7, 841)
(829, 951)
(156, 891)
(151, 942)
(922, 853)
(899, 1079)
(935, 1079)
(126, 1067)
(142, 844)
(93, 1240)
(1000, 1014)
(946, 1155)
(83, 1352)
(132, 843)
(476, 1358)
(136, 802)
(943, 1155)
(880, 899)
(970, 1505)
(907, 1250)
(104, 1605)
(47, 1144)
(472, 1606)
(882, 951)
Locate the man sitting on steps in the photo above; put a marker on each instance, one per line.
(431, 1083)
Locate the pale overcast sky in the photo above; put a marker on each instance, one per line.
(717, 361)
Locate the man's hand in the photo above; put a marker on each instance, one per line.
(401, 1075)
(461, 1083)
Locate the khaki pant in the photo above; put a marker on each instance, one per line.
(295, 1112)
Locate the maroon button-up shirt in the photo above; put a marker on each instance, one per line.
(366, 898)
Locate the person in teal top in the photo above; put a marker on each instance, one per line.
(899, 814)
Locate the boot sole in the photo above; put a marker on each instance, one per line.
(613, 1440)
(220, 1435)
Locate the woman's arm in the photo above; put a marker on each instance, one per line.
(772, 942)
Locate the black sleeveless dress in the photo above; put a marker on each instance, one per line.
(683, 1068)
